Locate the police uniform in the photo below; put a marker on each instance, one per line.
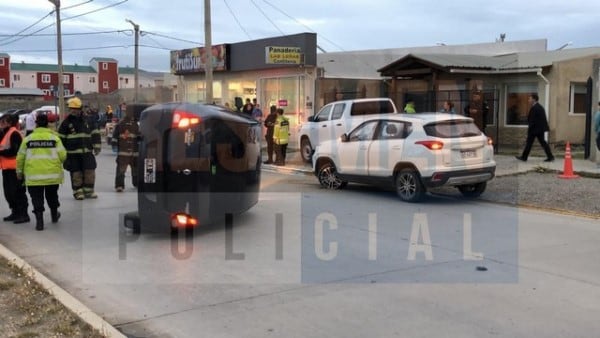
(82, 142)
(40, 160)
(125, 139)
(14, 190)
(281, 136)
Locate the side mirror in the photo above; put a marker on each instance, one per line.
(310, 118)
(344, 137)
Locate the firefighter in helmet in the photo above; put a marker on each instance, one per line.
(82, 142)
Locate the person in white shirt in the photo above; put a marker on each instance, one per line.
(30, 122)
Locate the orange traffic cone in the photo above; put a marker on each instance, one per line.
(568, 166)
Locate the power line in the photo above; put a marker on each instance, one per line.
(70, 34)
(26, 28)
(95, 10)
(173, 38)
(300, 23)
(267, 17)
(236, 19)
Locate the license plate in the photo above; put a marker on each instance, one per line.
(149, 170)
(468, 153)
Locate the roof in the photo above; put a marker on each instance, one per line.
(4, 55)
(38, 67)
(365, 64)
(508, 62)
(21, 92)
(100, 59)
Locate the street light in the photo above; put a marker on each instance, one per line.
(136, 28)
(61, 91)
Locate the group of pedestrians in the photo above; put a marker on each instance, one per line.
(35, 163)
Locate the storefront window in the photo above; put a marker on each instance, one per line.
(284, 92)
(196, 91)
(517, 106)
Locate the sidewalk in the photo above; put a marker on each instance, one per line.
(505, 165)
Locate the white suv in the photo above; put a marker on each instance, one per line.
(411, 152)
(337, 118)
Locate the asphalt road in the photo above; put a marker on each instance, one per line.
(307, 262)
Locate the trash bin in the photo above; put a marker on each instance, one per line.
(197, 163)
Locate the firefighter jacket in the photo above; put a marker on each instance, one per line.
(40, 158)
(125, 137)
(281, 131)
(9, 146)
(78, 136)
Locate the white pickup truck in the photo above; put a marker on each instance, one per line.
(337, 118)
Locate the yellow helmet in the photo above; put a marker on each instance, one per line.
(74, 103)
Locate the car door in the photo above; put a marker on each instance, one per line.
(353, 153)
(319, 124)
(327, 129)
(387, 146)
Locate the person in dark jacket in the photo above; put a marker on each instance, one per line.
(14, 189)
(270, 125)
(125, 139)
(537, 126)
(82, 142)
(478, 110)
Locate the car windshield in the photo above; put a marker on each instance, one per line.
(452, 129)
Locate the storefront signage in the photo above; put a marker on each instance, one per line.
(282, 103)
(188, 61)
(283, 55)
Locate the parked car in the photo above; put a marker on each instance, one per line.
(337, 118)
(411, 153)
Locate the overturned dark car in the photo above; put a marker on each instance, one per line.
(197, 164)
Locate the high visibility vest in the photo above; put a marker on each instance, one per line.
(8, 162)
(281, 131)
(40, 158)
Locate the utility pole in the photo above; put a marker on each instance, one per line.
(60, 90)
(136, 29)
(208, 49)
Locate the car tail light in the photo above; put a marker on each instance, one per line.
(183, 119)
(431, 145)
(490, 141)
(182, 220)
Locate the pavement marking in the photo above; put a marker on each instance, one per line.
(72, 303)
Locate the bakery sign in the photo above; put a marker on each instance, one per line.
(283, 55)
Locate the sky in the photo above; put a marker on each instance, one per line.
(98, 28)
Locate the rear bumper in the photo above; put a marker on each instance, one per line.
(459, 177)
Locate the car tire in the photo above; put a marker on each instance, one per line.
(306, 150)
(328, 177)
(472, 190)
(409, 187)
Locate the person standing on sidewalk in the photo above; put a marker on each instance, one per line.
(281, 136)
(537, 126)
(82, 142)
(125, 139)
(597, 130)
(270, 125)
(40, 161)
(14, 190)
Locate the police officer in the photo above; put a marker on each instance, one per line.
(14, 190)
(281, 136)
(125, 139)
(82, 142)
(40, 160)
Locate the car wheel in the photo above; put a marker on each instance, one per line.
(306, 150)
(408, 186)
(472, 190)
(328, 177)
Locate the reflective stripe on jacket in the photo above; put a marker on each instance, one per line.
(281, 131)
(8, 162)
(40, 158)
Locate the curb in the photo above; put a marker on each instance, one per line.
(70, 302)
